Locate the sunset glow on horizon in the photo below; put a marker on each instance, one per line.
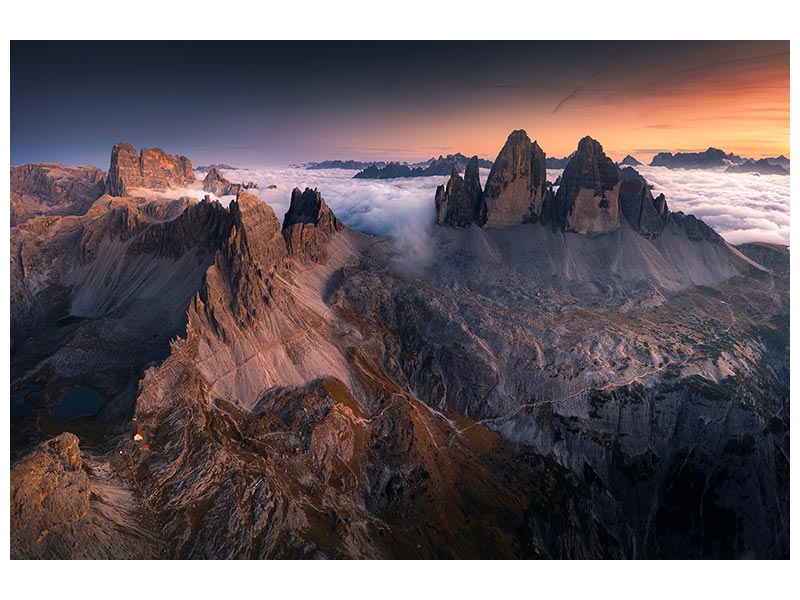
(281, 102)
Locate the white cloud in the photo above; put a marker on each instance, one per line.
(741, 207)
(399, 207)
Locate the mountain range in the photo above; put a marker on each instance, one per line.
(434, 167)
(714, 158)
(564, 373)
(394, 169)
(207, 168)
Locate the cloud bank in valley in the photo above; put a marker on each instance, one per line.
(741, 207)
(378, 207)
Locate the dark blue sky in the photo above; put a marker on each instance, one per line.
(255, 103)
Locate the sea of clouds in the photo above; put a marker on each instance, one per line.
(741, 207)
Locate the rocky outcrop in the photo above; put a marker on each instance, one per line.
(630, 161)
(238, 281)
(63, 508)
(517, 184)
(51, 189)
(308, 223)
(124, 171)
(587, 200)
(161, 171)
(460, 203)
(215, 183)
(152, 169)
(647, 215)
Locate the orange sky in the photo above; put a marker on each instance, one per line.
(733, 96)
(310, 101)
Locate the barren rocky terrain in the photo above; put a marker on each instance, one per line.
(577, 373)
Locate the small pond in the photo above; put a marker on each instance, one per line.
(78, 402)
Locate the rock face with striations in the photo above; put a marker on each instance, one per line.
(588, 199)
(153, 169)
(517, 184)
(308, 223)
(460, 203)
(647, 215)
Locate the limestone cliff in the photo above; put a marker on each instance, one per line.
(517, 184)
(587, 200)
(152, 169)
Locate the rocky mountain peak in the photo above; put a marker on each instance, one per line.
(308, 223)
(588, 199)
(460, 203)
(517, 184)
(152, 169)
(216, 183)
(630, 161)
(237, 285)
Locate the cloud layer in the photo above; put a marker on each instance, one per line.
(378, 207)
(741, 207)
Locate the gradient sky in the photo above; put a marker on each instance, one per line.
(257, 103)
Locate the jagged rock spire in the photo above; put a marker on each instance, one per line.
(645, 214)
(517, 184)
(216, 183)
(461, 204)
(308, 223)
(588, 199)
